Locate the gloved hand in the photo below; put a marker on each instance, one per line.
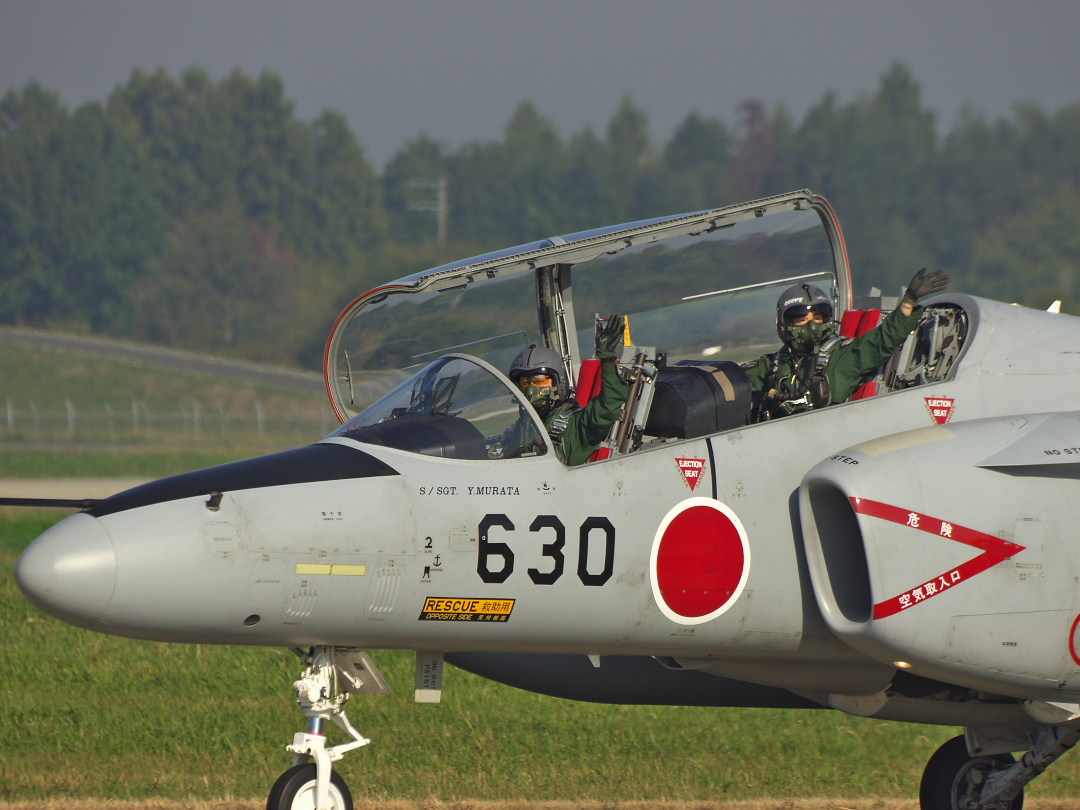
(609, 338)
(923, 284)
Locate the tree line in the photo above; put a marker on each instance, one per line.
(206, 215)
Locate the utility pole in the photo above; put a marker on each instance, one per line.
(440, 206)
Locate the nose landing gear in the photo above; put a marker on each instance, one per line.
(330, 676)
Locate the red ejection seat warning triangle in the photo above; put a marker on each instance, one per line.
(691, 469)
(940, 408)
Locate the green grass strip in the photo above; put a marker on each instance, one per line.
(75, 462)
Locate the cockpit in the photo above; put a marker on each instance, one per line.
(420, 364)
(455, 407)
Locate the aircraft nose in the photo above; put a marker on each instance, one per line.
(70, 570)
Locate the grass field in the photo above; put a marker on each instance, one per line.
(49, 396)
(90, 716)
(49, 377)
(431, 804)
(80, 462)
(398, 804)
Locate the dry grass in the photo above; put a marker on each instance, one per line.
(757, 804)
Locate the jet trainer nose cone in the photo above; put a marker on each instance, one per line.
(70, 570)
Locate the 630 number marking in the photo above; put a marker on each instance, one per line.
(490, 549)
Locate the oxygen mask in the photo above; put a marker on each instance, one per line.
(540, 390)
(811, 333)
(807, 326)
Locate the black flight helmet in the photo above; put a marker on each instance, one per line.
(798, 301)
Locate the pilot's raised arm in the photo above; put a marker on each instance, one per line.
(576, 432)
(816, 368)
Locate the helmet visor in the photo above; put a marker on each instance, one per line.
(538, 380)
(798, 314)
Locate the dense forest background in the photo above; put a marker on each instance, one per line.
(205, 215)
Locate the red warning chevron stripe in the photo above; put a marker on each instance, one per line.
(994, 550)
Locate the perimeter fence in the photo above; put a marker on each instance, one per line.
(139, 422)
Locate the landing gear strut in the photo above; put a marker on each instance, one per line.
(330, 676)
(990, 779)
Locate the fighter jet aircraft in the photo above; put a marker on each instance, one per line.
(907, 555)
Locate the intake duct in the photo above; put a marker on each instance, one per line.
(950, 551)
(843, 553)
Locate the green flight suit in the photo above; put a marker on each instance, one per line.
(848, 363)
(580, 430)
(586, 427)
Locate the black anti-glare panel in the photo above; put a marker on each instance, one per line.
(317, 462)
(426, 434)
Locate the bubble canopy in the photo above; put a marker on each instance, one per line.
(701, 285)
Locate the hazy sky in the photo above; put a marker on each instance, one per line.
(456, 69)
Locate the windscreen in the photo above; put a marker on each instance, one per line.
(709, 296)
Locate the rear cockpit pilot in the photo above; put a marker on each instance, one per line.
(816, 368)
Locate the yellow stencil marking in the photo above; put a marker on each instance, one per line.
(313, 569)
(348, 570)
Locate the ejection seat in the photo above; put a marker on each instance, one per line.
(856, 323)
(588, 386)
(929, 353)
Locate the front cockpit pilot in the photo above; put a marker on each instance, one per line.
(576, 431)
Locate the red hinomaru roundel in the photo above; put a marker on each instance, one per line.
(700, 561)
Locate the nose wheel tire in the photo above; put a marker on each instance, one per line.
(295, 790)
(953, 779)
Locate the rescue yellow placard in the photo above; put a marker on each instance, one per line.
(453, 609)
